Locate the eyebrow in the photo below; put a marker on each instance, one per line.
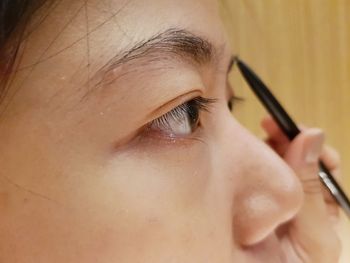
(176, 43)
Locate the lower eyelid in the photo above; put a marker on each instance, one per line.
(159, 137)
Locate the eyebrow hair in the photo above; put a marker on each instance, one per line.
(178, 43)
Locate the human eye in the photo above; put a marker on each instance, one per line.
(232, 101)
(183, 120)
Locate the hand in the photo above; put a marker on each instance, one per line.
(310, 236)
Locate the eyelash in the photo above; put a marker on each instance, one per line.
(189, 110)
(185, 116)
(233, 101)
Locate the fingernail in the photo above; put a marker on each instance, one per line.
(314, 148)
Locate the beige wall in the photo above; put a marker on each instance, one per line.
(301, 49)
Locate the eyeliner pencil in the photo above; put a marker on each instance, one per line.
(291, 130)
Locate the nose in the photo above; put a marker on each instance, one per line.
(265, 191)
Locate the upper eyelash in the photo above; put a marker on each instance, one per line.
(237, 98)
(202, 104)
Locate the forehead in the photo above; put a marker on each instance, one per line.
(73, 39)
(121, 21)
(112, 25)
(198, 15)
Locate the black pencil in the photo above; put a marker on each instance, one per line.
(291, 130)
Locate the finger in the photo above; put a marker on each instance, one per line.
(277, 140)
(328, 197)
(311, 227)
(331, 159)
(303, 155)
(273, 130)
(280, 143)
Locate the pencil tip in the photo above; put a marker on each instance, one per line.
(235, 58)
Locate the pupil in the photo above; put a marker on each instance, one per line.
(193, 114)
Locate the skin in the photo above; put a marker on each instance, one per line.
(82, 181)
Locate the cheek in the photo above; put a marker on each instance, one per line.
(134, 202)
(141, 199)
(172, 178)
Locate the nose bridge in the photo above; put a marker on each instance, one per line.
(266, 191)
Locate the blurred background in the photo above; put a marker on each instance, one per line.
(301, 49)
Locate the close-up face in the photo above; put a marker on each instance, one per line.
(118, 143)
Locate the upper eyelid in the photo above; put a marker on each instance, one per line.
(206, 102)
(173, 103)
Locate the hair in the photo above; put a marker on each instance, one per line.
(14, 16)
